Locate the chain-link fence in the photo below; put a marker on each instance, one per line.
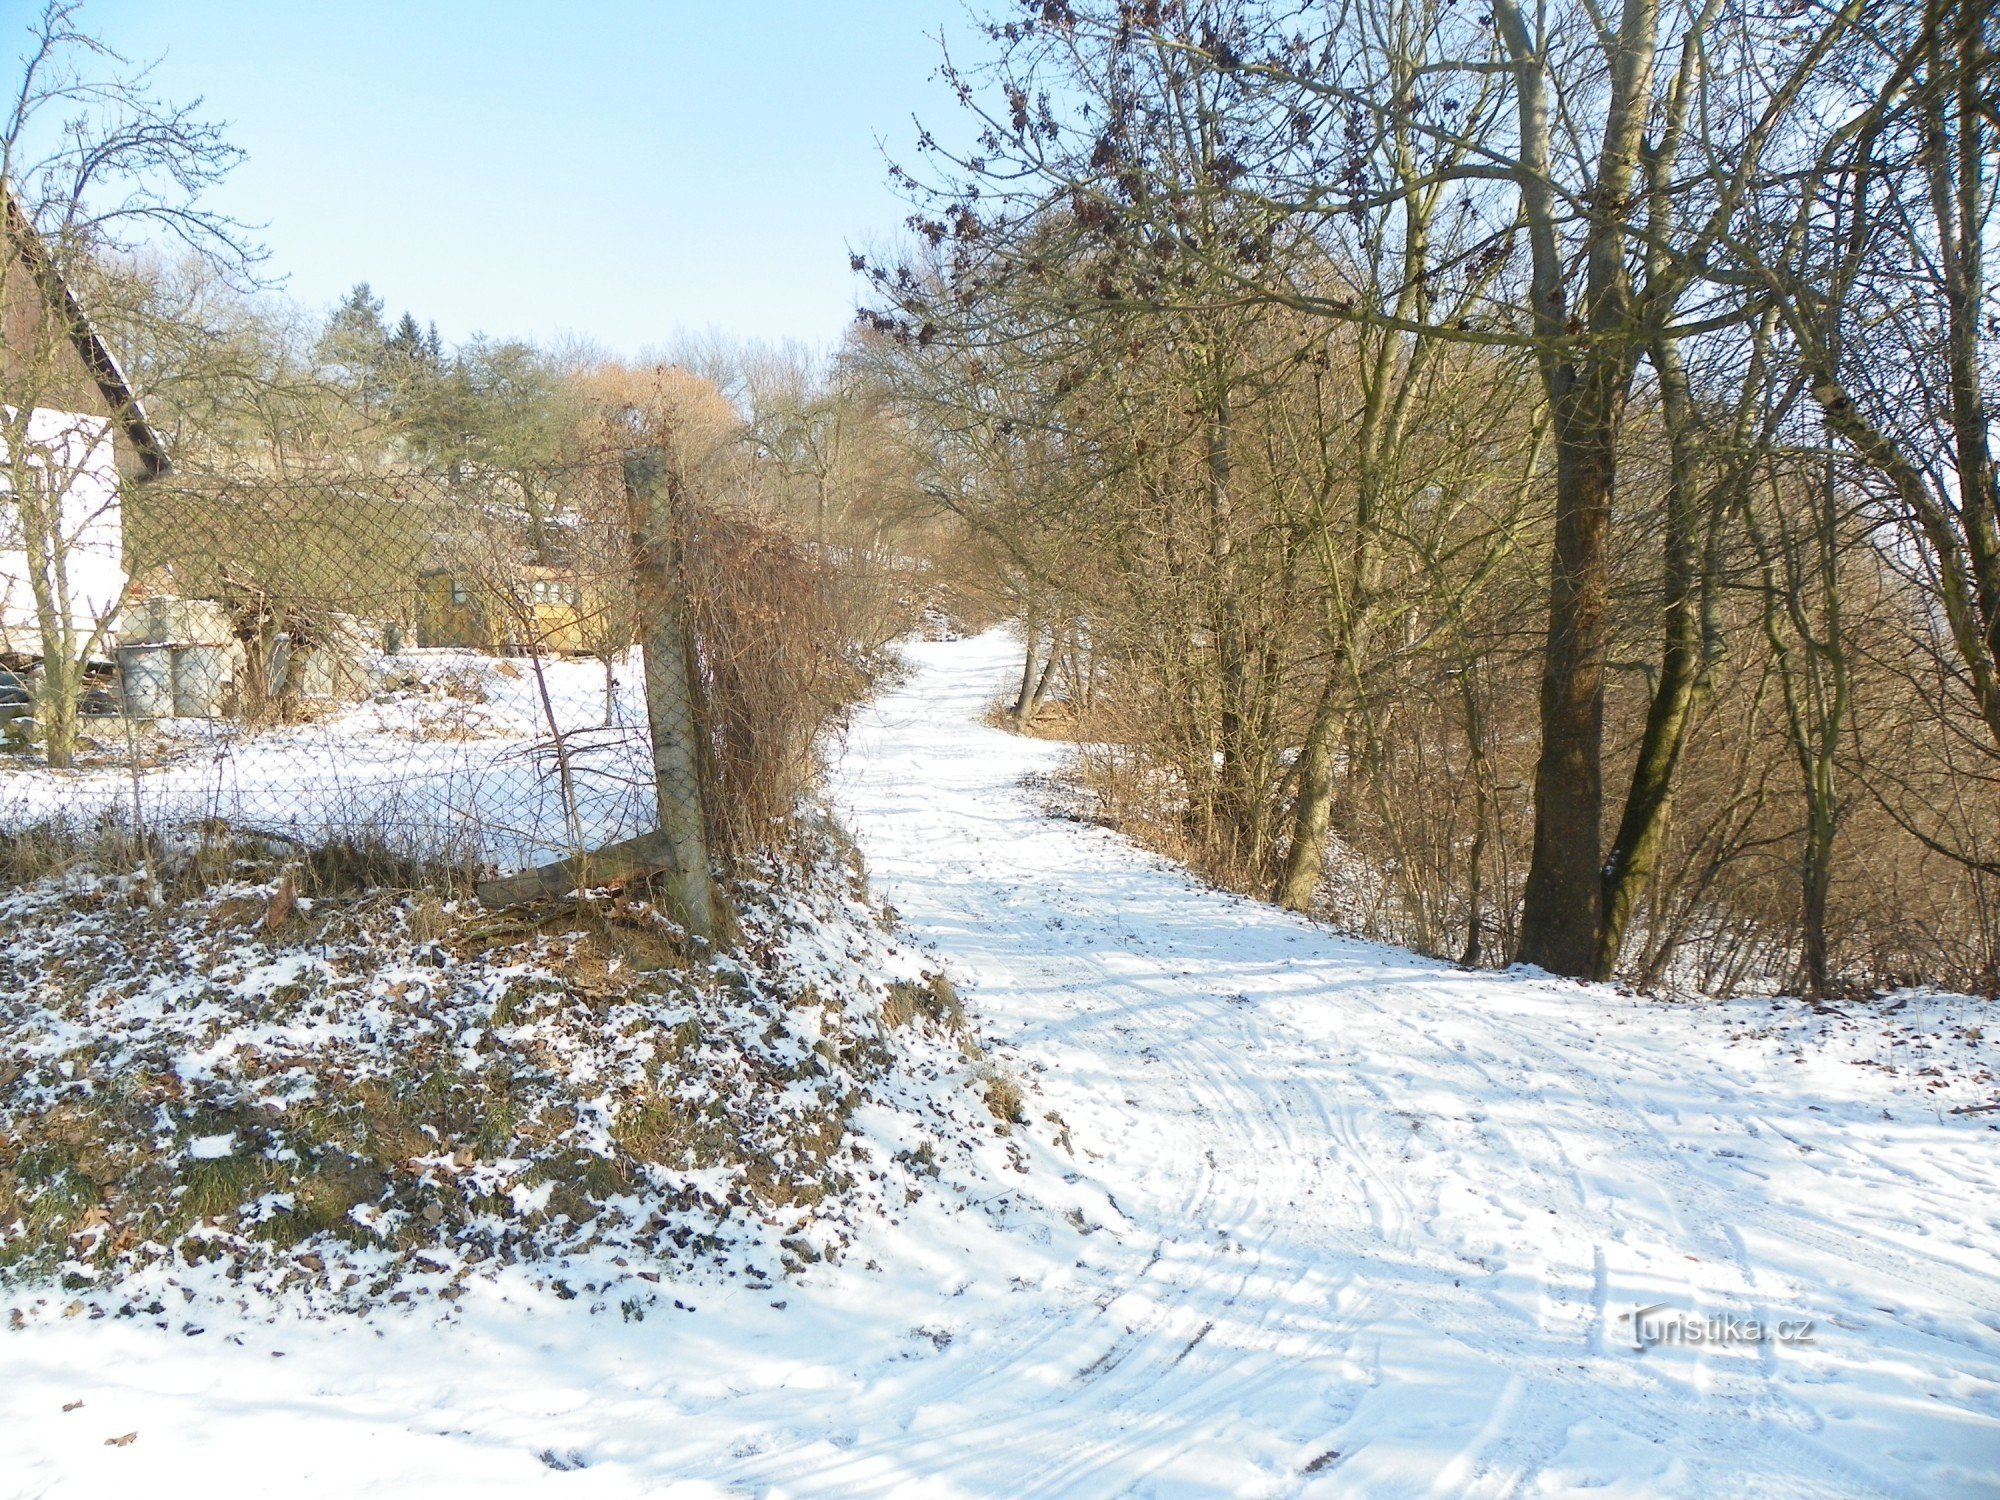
(448, 665)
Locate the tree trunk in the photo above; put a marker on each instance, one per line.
(1801, 577)
(1562, 900)
(56, 709)
(1045, 680)
(1313, 806)
(40, 516)
(1628, 867)
(1475, 896)
(1235, 803)
(1037, 672)
(1817, 871)
(1961, 205)
(1481, 769)
(1587, 368)
(1031, 638)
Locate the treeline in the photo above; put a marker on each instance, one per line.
(247, 381)
(1518, 479)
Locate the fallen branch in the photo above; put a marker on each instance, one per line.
(614, 864)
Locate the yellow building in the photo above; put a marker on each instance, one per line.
(537, 609)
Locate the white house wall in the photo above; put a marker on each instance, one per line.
(78, 453)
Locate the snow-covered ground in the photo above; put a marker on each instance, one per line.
(1337, 1221)
(453, 755)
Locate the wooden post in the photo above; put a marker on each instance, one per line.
(667, 647)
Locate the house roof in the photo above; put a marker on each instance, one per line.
(98, 360)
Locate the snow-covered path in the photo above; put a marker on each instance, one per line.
(1370, 1222)
(1338, 1221)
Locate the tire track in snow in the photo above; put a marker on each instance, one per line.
(1374, 1213)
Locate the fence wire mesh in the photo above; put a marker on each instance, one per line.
(442, 663)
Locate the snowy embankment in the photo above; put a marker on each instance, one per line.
(248, 1101)
(1338, 1221)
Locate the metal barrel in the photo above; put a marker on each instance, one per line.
(146, 681)
(201, 678)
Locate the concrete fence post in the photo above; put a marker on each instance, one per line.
(667, 646)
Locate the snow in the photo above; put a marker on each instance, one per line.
(1339, 1221)
(400, 1090)
(453, 756)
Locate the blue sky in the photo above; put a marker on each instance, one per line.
(611, 168)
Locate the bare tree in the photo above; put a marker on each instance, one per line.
(93, 165)
(1877, 259)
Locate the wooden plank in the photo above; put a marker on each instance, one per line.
(614, 864)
